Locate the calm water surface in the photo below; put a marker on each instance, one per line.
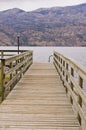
(41, 54)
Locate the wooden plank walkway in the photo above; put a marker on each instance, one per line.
(38, 102)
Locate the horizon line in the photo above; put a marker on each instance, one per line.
(42, 7)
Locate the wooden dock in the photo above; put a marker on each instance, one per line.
(38, 102)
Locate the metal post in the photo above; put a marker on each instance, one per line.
(18, 43)
(50, 58)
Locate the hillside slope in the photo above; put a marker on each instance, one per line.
(57, 26)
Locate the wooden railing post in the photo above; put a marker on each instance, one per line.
(63, 69)
(11, 75)
(68, 69)
(80, 82)
(61, 64)
(2, 54)
(17, 66)
(71, 84)
(63, 73)
(2, 78)
(72, 73)
(66, 76)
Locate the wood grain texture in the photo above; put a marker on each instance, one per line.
(38, 102)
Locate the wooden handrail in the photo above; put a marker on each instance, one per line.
(12, 50)
(7, 53)
(68, 69)
(13, 68)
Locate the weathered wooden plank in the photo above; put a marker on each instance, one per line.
(38, 102)
(73, 76)
(17, 65)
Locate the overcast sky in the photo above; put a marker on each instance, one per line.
(29, 5)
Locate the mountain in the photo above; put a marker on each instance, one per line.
(56, 26)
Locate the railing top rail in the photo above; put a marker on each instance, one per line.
(12, 69)
(18, 55)
(15, 57)
(74, 64)
(73, 76)
(13, 50)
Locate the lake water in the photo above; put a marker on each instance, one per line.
(41, 54)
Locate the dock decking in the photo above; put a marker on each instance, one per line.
(38, 102)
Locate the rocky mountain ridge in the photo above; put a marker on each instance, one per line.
(57, 26)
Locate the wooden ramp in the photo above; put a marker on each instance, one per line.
(38, 102)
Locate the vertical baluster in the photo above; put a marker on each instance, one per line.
(16, 65)
(63, 75)
(21, 68)
(2, 53)
(71, 84)
(61, 64)
(63, 67)
(11, 75)
(80, 82)
(67, 71)
(2, 78)
(66, 76)
(72, 71)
